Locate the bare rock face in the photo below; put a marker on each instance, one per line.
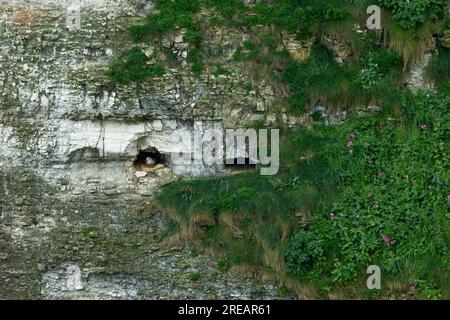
(341, 49)
(416, 79)
(76, 216)
(299, 49)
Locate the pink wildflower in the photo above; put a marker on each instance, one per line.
(413, 288)
(423, 126)
(349, 143)
(448, 197)
(389, 240)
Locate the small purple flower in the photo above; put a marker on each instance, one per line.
(448, 197)
(389, 240)
(349, 143)
(423, 126)
(381, 174)
(413, 288)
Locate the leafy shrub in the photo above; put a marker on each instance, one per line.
(410, 14)
(301, 253)
(197, 68)
(194, 38)
(387, 61)
(193, 57)
(370, 75)
(447, 21)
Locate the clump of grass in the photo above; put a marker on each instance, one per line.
(194, 57)
(409, 44)
(322, 81)
(220, 70)
(193, 276)
(132, 65)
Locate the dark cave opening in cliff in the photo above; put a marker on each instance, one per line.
(149, 158)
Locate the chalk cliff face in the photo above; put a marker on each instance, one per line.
(82, 156)
(76, 219)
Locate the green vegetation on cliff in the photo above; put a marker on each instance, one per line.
(371, 75)
(132, 66)
(374, 190)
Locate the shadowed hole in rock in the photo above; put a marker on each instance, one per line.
(148, 159)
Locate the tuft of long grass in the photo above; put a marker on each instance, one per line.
(410, 45)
